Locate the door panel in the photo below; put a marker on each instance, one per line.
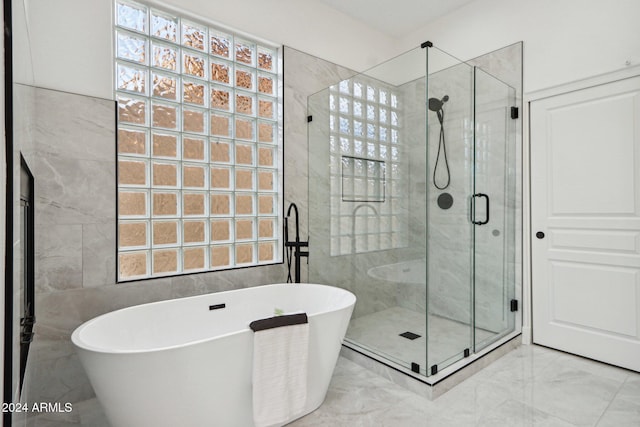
(575, 285)
(585, 197)
(591, 155)
(494, 209)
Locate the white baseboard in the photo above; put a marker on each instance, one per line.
(526, 335)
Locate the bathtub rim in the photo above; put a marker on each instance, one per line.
(79, 344)
(373, 272)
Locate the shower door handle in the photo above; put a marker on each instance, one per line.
(473, 208)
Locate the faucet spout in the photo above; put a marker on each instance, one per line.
(295, 208)
(294, 246)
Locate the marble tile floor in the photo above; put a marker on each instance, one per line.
(379, 332)
(531, 386)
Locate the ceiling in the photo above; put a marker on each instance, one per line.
(396, 18)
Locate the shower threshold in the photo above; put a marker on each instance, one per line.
(435, 385)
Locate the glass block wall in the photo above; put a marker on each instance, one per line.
(199, 146)
(368, 195)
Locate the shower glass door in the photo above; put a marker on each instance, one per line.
(494, 203)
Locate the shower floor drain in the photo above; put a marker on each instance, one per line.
(410, 335)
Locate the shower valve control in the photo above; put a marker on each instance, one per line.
(540, 235)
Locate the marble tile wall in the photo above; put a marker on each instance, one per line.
(68, 141)
(413, 294)
(304, 75)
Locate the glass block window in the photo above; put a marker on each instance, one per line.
(199, 146)
(368, 189)
(363, 180)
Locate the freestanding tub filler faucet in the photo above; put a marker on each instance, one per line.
(295, 246)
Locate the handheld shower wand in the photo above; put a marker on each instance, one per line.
(436, 105)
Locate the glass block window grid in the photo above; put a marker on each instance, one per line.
(368, 205)
(363, 180)
(199, 175)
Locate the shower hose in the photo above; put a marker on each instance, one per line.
(442, 148)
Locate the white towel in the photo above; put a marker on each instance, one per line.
(280, 357)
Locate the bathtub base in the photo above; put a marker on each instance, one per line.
(136, 393)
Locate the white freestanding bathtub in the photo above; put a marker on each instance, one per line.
(184, 362)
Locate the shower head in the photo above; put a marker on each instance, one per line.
(436, 104)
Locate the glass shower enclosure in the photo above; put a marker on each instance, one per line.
(412, 207)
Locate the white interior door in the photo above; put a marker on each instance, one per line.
(585, 199)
